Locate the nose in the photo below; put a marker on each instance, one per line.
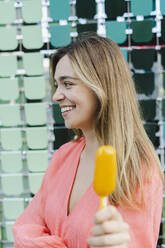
(58, 95)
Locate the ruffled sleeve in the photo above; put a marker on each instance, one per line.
(30, 229)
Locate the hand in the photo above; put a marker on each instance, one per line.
(109, 230)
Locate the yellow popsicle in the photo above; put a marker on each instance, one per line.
(105, 172)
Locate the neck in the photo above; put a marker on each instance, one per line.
(91, 143)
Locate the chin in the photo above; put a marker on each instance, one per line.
(71, 126)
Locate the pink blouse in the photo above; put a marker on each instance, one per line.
(46, 224)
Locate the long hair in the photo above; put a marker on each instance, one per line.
(99, 63)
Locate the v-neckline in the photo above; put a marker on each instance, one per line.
(75, 169)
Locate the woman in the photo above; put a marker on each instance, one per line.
(95, 92)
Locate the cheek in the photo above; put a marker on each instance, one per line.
(93, 109)
(95, 104)
(72, 96)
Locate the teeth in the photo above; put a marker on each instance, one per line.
(66, 109)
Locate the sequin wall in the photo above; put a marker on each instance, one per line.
(31, 126)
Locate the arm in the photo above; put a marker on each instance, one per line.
(151, 215)
(30, 229)
(145, 223)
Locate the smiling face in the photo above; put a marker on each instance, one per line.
(78, 102)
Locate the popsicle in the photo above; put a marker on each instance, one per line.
(105, 173)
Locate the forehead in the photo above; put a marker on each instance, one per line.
(64, 67)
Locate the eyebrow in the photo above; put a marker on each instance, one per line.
(62, 78)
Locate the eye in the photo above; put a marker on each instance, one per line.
(68, 84)
(55, 85)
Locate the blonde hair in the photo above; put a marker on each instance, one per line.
(99, 63)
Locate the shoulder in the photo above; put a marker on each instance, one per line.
(152, 174)
(71, 147)
(72, 144)
(152, 190)
(62, 157)
(66, 152)
(152, 171)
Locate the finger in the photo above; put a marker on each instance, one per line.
(109, 240)
(109, 227)
(108, 213)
